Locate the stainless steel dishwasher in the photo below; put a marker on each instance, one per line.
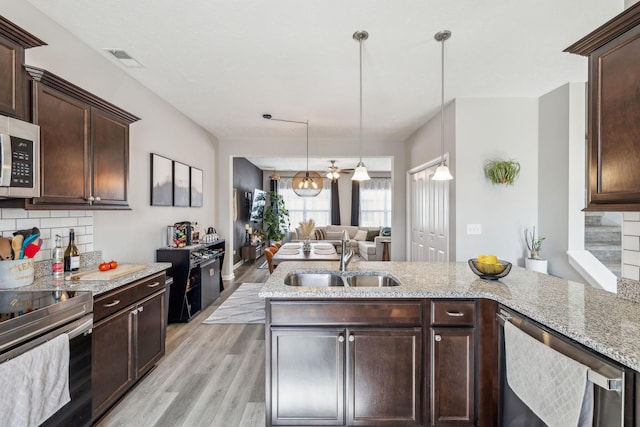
(613, 383)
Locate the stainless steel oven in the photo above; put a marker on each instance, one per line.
(30, 318)
(613, 383)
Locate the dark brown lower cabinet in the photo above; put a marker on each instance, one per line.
(362, 365)
(453, 373)
(128, 339)
(357, 362)
(346, 376)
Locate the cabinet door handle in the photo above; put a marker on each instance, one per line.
(352, 338)
(140, 309)
(438, 338)
(134, 312)
(112, 304)
(98, 199)
(340, 338)
(153, 285)
(455, 314)
(90, 199)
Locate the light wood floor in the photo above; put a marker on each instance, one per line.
(211, 375)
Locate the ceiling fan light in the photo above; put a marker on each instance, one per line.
(442, 173)
(333, 175)
(361, 173)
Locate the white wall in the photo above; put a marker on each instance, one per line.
(266, 148)
(134, 235)
(561, 179)
(486, 129)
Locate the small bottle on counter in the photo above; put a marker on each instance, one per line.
(71, 254)
(57, 259)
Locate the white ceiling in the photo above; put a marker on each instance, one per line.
(224, 63)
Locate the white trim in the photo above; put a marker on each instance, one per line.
(593, 271)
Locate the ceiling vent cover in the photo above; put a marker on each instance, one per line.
(126, 59)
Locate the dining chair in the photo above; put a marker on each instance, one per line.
(268, 253)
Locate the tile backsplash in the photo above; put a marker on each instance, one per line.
(50, 223)
(631, 245)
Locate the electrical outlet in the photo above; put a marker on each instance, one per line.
(474, 228)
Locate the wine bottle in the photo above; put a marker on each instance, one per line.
(71, 254)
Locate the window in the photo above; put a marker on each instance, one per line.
(375, 202)
(304, 208)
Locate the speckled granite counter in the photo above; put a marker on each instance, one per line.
(595, 318)
(47, 283)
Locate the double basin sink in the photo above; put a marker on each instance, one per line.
(327, 279)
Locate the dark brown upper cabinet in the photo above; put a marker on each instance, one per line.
(84, 146)
(14, 82)
(613, 133)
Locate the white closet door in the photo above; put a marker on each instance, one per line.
(429, 217)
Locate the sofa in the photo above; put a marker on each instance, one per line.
(362, 240)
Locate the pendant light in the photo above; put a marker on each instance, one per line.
(360, 173)
(442, 171)
(305, 183)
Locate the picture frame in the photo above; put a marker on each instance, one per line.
(161, 181)
(196, 199)
(181, 184)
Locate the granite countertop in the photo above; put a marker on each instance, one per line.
(593, 317)
(97, 287)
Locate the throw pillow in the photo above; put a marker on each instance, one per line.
(321, 234)
(385, 231)
(360, 235)
(371, 234)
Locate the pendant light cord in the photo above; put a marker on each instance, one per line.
(307, 123)
(442, 105)
(360, 44)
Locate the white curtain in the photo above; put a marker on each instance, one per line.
(304, 208)
(375, 202)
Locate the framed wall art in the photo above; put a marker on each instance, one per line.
(181, 184)
(196, 187)
(161, 181)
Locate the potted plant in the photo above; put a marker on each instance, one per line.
(275, 221)
(534, 242)
(501, 171)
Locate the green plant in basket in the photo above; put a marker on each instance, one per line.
(501, 171)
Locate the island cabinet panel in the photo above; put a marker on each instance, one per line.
(453, 373)
(384, 376)
(307, 386)
(328, 366)
(613, 112)
(129, 338)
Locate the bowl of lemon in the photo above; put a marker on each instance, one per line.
(489, 267)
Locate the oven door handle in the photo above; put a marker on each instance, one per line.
(84, 329)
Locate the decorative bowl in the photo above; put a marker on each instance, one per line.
(490, 271)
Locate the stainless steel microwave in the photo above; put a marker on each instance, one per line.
(19, 158)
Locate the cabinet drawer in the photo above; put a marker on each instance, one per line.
(370, 313)
(150, 285)
(111, 302)
(453, 312)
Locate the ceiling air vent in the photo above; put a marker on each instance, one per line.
(126, 59)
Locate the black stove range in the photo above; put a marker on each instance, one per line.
(31, 318)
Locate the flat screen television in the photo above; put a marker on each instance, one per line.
(257, 207)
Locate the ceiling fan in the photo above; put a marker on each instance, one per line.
(333, 172)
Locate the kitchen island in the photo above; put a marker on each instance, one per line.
(409, 316)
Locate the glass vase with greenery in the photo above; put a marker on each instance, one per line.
(275, 220)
